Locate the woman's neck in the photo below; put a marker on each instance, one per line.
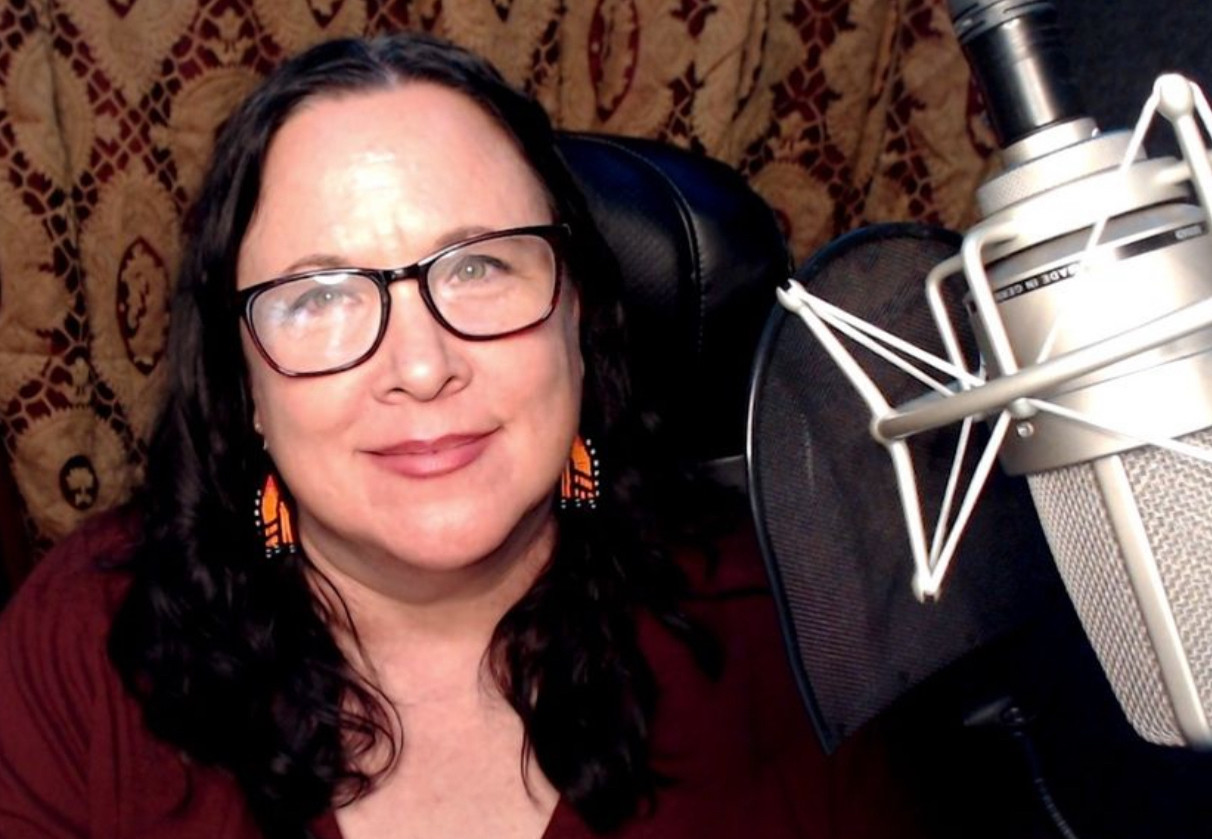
(422, 625)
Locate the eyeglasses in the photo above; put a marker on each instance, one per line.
(486, 287)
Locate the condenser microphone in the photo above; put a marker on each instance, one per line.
(1088, 286)
(1127, 522)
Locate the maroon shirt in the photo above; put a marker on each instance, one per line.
(76, 761)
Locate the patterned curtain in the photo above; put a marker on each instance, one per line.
(838, 113)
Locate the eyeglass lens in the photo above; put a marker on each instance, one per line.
(330, 319)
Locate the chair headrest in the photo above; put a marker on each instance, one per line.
(701, 254)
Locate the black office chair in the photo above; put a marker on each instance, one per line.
(701, 255)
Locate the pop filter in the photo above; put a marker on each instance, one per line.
(826, 506)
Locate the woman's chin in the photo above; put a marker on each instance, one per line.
(471, 553)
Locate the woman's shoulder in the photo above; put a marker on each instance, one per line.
(80, 580)
(75, 756)
(53, 631)
(729, 563)
(739, 745)
(730, 596)
(753, 721)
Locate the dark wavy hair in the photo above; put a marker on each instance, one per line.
(232, 656)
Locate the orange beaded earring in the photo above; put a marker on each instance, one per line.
(580, 482)
(275, 519)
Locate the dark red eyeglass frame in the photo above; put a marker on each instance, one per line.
(556, 235)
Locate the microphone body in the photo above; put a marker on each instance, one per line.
(1089, 294)
(1087, 250)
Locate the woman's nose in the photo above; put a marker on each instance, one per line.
(418, 356)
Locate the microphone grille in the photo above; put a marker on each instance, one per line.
(1171, 492)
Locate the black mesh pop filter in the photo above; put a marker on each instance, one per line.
(828, 514)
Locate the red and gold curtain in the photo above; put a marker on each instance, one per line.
(838, 113)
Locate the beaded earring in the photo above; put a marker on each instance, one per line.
(275, 520)
(580, 485)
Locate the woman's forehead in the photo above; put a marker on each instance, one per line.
(393, 170)
(424, 128)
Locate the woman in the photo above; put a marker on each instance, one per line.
(347, 602)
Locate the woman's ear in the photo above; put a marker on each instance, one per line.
(577, 328)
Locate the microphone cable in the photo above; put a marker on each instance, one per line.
(1007, 715)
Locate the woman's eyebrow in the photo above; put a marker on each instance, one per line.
(315, 261)
(459, 234)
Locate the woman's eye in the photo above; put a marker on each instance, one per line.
(476, 267)
(321, 298)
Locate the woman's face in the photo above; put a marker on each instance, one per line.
(436, 452)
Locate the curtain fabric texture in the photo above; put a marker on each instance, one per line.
(838, 114)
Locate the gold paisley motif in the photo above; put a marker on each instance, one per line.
(32, 298)
(856, 120)
(729, 56)
(927, 70)
(297, 24)
(509, 41)
(49, 111)
(614, 46)
(801, 203)
(69, 465)
(197, 112)
(128, 248)
(599, 35)
(130, 46)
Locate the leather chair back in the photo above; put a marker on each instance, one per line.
(701, 255)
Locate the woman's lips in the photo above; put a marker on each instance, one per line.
(432, 458)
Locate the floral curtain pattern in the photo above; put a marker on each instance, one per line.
(838, 113)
